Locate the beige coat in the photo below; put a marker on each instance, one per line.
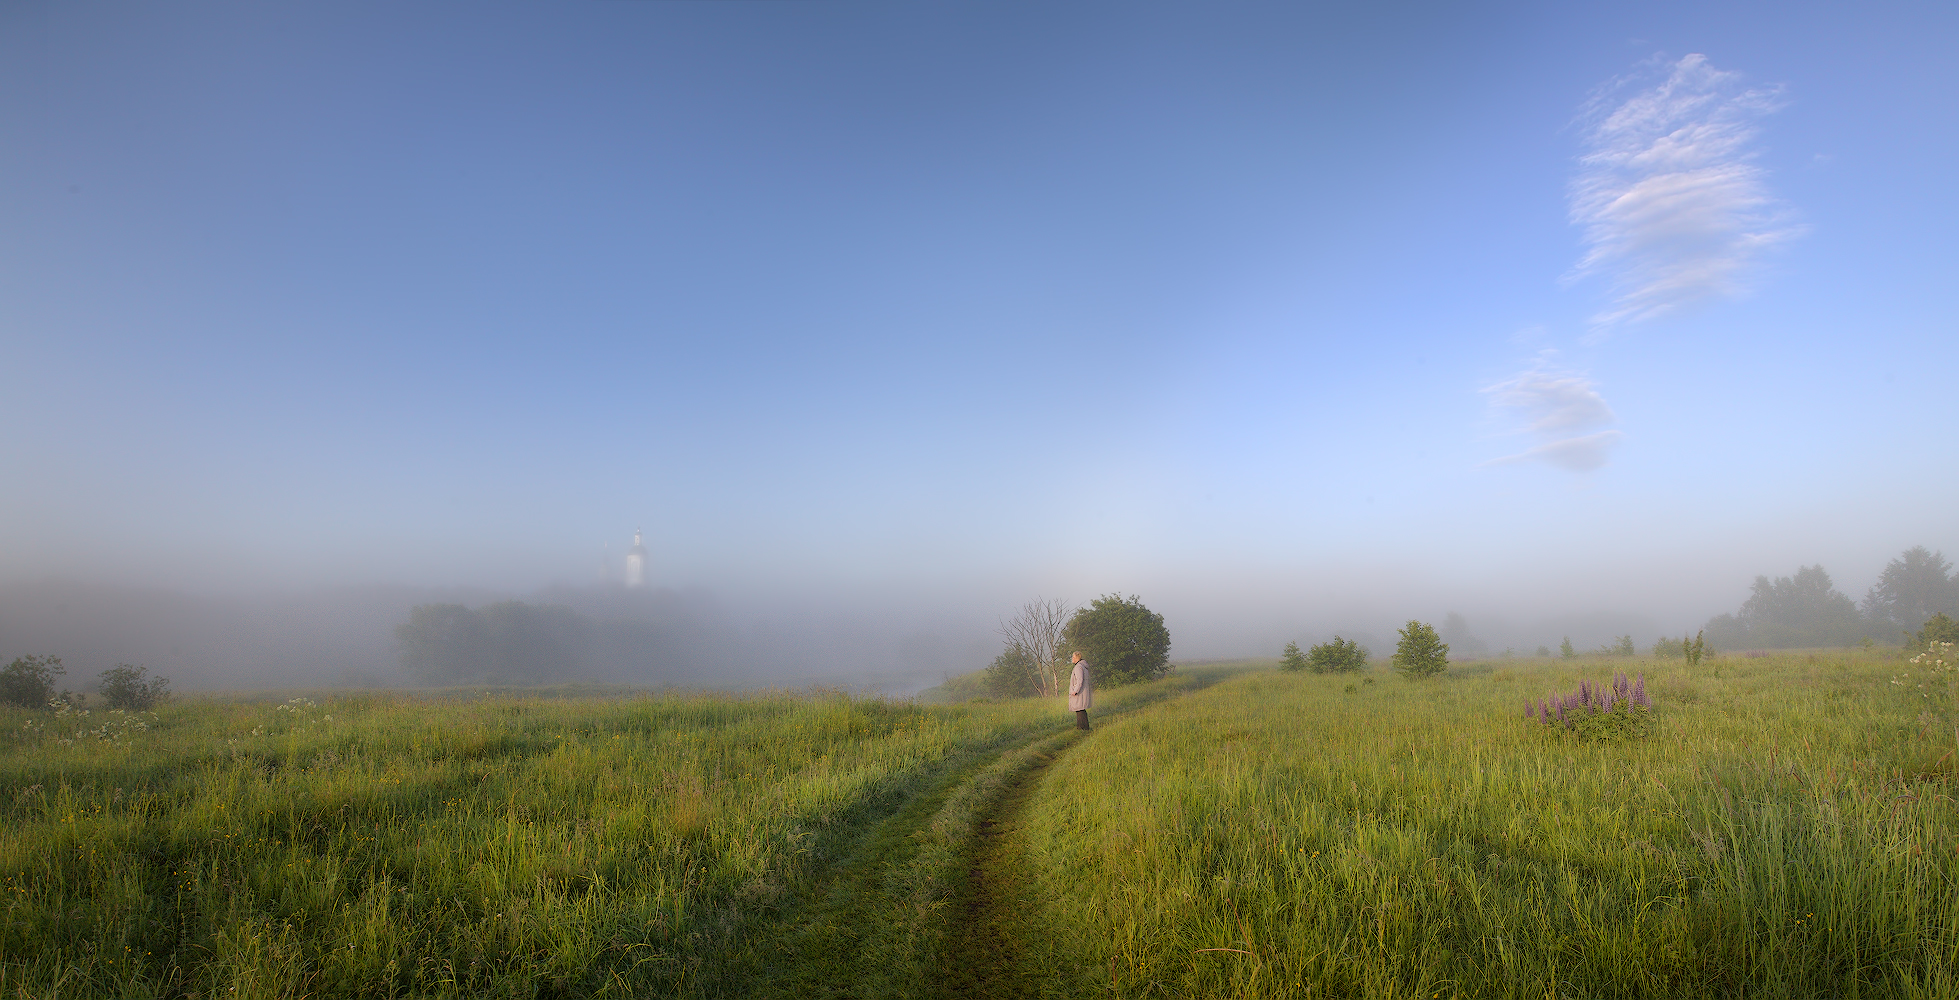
(1081, 688)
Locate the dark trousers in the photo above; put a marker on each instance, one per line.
(1081, 719)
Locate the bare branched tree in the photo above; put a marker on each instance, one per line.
(1036, 631)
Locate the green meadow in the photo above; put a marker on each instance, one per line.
(1786, 829)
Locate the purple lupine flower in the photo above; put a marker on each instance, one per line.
(1640, 697)
(1530, 710)
(1585, 692)
(1544, 711)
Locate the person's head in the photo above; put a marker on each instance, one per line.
(1077, 658)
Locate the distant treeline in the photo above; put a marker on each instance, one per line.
(511, 642)
(1807, 609)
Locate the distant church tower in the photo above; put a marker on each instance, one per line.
(636, 563)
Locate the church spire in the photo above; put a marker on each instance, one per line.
(636, 562)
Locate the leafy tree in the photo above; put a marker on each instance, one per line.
(1803, 610)
(1014, 674)
(29, 681)
(1340, 656)
(1123, 641)
(130, 687)
(1544, 651)
(1913, 587)
(1565, 649)
(1697, 649)
(1294, 660)
(1420, 653)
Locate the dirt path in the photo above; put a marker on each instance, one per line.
(983, 959)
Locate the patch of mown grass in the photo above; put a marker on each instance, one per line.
(1787, 830)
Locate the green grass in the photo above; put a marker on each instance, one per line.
(495, 844)
(1788, 831)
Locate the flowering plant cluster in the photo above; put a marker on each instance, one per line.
(1939, 661)
(71, 725)
(295, 714)
(1619, 711)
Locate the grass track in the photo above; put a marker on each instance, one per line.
(987, 957)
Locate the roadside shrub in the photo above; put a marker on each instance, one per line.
(1607, 714)
(130, 687)
(1292, 659)
(1338, 657)
(1421, 652)
(1012, 675)
(29, 681)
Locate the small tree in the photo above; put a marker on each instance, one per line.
(1565, 649)
(1938, 628)
(29, 681)
(130, 687)
(1123, 640)
(1341, 656)
(1544, 651)
(1294, 660)
(1420, 653)
(1693, 651)
(1013, 675)
(1036, 630)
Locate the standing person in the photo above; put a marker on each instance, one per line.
(1081, 691)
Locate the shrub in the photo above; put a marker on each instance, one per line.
(29, 681)
(1608, 714)
(1420, 653)
(1294, 660)
(131, 688)
(1939, 629)
(1565, 649)
(1544, 651)
(1338, 657)
(1013, 675)
(1124, 641)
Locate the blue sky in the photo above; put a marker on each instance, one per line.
(1272, 314)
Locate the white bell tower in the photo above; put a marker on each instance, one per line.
(636, 562)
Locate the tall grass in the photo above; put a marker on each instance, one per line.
(501, 846)
(507, 844)
(1788, 831)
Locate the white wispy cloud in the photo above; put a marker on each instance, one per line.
(1579, 454)
(1674, 208)
(1558, 406)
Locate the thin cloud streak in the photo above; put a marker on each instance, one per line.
(1675, 211)
(1556, 405)
(1580, 454)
